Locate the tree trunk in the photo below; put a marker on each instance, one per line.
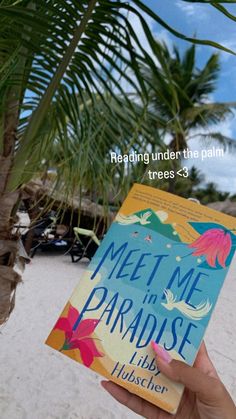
(8, 252)
(11, 172)
(9, 278)
(178, 143)
(172, 181)
(34, 213)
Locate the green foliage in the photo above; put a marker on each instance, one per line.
(210, 193)
(67, 64)
(69, 71)
(179, 94)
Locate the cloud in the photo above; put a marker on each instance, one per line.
(195, 11)
(159, 35)
(221, 171)
(189, 9)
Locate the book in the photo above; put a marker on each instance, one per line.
(156, 276)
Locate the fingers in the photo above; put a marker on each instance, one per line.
(133, 402)
(201, 379)
(209, 389)
(203, 362)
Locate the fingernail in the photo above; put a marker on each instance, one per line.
(161, 352)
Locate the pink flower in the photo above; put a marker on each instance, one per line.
(215, 244)
(79, 338)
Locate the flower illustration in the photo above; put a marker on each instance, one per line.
(215, 244)
(80, 338)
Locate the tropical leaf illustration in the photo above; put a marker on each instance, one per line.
(152, 220)
(134, 219)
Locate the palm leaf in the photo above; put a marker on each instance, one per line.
(55, 51)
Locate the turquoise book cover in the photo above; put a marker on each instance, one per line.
(156, 276)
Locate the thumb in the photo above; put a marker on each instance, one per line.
(209, 389)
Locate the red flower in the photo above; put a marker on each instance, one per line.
(215, 244)
(79, 338)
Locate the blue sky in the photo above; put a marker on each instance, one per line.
(205, 22)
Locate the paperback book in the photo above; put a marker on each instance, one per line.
(155, 277)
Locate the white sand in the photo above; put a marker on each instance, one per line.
(36, 382)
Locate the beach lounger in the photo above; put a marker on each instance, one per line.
(85, 246)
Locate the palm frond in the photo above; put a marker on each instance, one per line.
(63, 59)
(228, 143)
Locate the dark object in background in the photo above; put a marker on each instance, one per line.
(85, 245)
(47, 236)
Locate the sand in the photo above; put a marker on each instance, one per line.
(39, 383)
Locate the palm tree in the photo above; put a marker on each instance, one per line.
(59, 60)
(88, 164)
(179, 96)
(210, 193)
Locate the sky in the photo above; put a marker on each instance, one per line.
(205, 22)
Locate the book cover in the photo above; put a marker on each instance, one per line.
(156, 276)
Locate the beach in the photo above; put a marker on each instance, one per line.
(39, 383)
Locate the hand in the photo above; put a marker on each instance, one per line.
(205, 397)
